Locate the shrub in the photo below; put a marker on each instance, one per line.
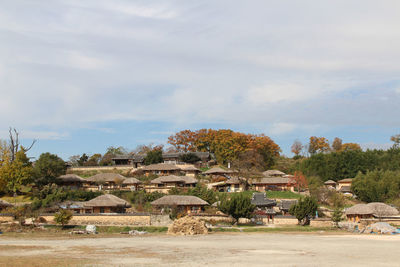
(238, 206)
(304, 209)
(63, 217)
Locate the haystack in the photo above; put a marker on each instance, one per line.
(187, 226)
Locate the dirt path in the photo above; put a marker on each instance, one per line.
(254, 249)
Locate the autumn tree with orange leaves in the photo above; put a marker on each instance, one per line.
(226, 144)
(318, 145)
(297, 147)
(299, 181)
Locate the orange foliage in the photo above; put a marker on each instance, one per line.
(350, 147)
(318, 144)
(299, 180)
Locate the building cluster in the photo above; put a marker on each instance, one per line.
(342, 186)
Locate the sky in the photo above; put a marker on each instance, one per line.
(80, 76)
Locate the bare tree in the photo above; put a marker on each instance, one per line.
(15, 145)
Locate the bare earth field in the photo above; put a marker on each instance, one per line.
(218, 249)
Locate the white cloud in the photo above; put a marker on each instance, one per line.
(281, 128)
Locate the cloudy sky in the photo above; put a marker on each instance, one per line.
(80, 76)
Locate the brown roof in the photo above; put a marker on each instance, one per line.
(174, 178)
(70, 178)
(347, 180)
(272, 180)
(161, 167)
(273, 173)
(374, 208)
(105, 177)
(107, 200)
(131, 181)
(173, 200)
(234, 180)
(190, 168)
(218, 170)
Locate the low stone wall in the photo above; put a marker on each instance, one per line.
(321, 223)
(285, 220)
(105, 219)
(160, 220)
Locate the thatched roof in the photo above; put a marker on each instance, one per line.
(175, 200)
(377, 209)
(234, 180)
(106, 177)
(270, 173)
(218, 170)
(345, 189)
(131, 181)
(174, 179)
(261, 200)
(347, 180)
(70, 178)
(161, 167)
(4, 203)
(272, 180)
(107, 200)
(330, 182)
(190, 168)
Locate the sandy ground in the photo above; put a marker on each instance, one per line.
(225, 249)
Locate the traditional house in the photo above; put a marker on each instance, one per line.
(217, 172)
(131, 184)
(164, 183)
(285, 205)
(132, 160)
(184, 204)
(330, 184)
(264, 207)
(233, 184)
(344, 182)
(273, 173)
(190, 170)
(4, 205)
(105, 181)
(161, 169)
(76, 207)
(273, 184)
(107, 204)
(373, 210)
(71, 180)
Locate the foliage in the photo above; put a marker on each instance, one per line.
(396, 140)
(111, 152)
(318, 145)
(14, 174)
(337, 215)
(377, 186)
(189, 158)
(138, 197)
(304, 209)
(346, 164)
(63, 217)
(350, 147)
(297, 147)
(249, 162)
(238, 206)
(337, 144)
(153, 157)
(47, 168)
(94, 160)
(83, 159)
(299, 181)
(225, 144)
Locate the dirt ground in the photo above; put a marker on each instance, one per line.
(222, 249)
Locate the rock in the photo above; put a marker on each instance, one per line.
(91, 229)
(188, 226)
(135, 232)
(381, 228)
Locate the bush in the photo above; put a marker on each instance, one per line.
(238, 206)
(63, 217)
(304, 209)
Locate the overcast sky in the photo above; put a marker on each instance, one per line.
(84, 75)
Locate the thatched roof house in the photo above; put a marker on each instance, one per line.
(67, 178)
(190, 170)
(131, 181)
(161, 169)
(106, 177)
(107, 204)
(275, 173)
(330, 183)
(370, 210)
(218, 171)
(179, 201)
(273, 183)
(174, 179)
(184, 204)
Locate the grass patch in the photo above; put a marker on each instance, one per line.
(18, 199)
(283, 194)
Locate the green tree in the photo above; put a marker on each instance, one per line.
(238, 206)
(153, 157)
(47, 168)
(189, 158)
(94, 160)
(63, 217)
(337, 215)
(304, 209)
(83, 159)
(112, 152)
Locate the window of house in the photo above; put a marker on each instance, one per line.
(101, 210)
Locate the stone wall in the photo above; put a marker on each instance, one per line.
(213, 218)
(105, 219)
(4, 218)
(321, 223)
(160, 220)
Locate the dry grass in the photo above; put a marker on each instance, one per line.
(22, 247)
(40, 261)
